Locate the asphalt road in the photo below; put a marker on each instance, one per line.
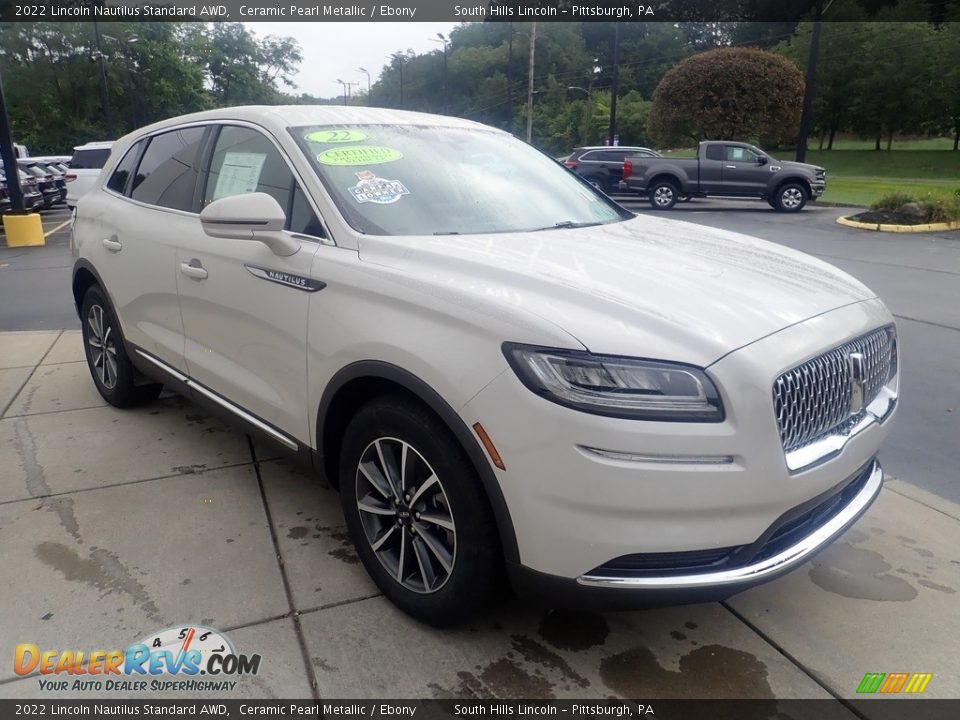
(917, 275)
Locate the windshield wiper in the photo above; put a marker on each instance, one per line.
(566, 224)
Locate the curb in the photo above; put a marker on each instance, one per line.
(879, 227)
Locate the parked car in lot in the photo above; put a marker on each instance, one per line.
(498, 370)
(602, 165)
(32, 197)
(727, 169)
(85, 166)
(50, 180)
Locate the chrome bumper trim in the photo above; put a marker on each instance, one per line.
(786, 560)
(654, 458)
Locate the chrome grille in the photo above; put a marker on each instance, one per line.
(814, 398)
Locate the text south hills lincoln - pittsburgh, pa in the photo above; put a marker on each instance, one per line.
(328, 11)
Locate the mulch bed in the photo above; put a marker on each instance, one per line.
(888, 217)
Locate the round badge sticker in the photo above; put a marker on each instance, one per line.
(335, 136)
(359, 155)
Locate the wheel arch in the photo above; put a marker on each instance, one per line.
(792, 180)
(670, 177)
(366, 379)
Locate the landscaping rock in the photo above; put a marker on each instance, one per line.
(912, 209)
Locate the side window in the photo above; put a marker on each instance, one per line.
(739, 154)
(301, 218)
(714, 152)
(167, 175)
(89, 159)
(245, 161)
(123, 171)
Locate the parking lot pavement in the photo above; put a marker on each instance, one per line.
(115, 524)
(35, 281)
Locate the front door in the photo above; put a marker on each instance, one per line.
(245, 308)
(742, 172)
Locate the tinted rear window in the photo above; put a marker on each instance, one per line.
(89, 159)
(167, 175)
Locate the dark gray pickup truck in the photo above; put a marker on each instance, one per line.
(728, 169)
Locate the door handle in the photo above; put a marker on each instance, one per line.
(112, 245)
(193, 269)
(732, 167)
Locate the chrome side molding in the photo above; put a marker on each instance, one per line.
(221, 401)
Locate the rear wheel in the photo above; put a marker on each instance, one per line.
(417, 513)
(663, 195)
(790, 197)
(113, 373)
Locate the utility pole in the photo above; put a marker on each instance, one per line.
(615, 85)
(510, 77)
(806, 116)
(533, 46)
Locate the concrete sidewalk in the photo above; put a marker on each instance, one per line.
(115, 524)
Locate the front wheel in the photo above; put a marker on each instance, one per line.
(663, 195)
(791, 198)
(417, 513)
(113, 373)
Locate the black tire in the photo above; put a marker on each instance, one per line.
(111, 369)
(790, 197)
(663, 195)
(443, 593)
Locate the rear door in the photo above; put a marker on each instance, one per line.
(149, 205)
(711, 169)
(244, 308)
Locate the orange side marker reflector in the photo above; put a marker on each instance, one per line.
(488, 444)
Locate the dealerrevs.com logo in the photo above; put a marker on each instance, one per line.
(183, 658)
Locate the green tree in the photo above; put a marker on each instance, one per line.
(729, 93)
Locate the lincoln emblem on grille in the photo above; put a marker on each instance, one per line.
(857, 376)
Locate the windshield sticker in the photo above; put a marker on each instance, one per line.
(381, 191)
(359, 155)
(334, 136)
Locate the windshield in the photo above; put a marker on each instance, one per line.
(425, 180)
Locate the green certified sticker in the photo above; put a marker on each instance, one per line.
(359, 155)
(335, 136)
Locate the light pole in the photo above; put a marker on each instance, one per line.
(615, 84)
(346, 89)
(104, 93)
(586, 108)
(806, 114)
(441, 39)
(369, 90)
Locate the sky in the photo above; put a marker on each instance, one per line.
(336, 49)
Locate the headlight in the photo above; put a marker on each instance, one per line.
(617, 386)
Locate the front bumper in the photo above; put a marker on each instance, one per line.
(665, 586)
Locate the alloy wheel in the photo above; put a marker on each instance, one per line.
(406, 515)
(791, 198)
(663, 196)
(103, 354)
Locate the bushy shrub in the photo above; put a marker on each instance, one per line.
(892, 202)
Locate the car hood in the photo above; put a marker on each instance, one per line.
(646, 287)
(798, 165)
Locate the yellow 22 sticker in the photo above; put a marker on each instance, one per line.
(359, 155)
(335, 136)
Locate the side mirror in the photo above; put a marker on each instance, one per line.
(251, 216)
(762, 160)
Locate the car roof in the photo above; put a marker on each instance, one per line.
(99, 144)
(612, 147)
(280, 117)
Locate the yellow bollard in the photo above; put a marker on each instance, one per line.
(23, 230)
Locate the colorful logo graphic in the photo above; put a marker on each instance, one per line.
(894, 683)
(381, 191)
(184, 651)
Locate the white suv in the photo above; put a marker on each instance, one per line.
(499, 366)
(84, 169)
